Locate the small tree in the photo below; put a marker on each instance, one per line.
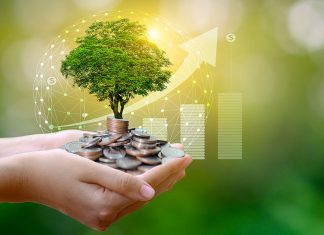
(116, 61)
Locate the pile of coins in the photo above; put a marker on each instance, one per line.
(130, 150)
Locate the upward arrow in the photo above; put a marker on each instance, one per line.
(201, 49)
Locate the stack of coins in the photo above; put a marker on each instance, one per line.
(134, 151)
(117, 126)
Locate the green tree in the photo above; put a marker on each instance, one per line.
(115, 61)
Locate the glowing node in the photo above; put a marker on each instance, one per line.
(166, 98)
(52, 67)
(146, 102)
(65, 94)
(132, 13)
(162, 110)
(63, 40)
(83, 21)
(66, 31)
(187, 124)
(46, 122)
(178, 91)
(205, 91)
(39, 113)
(81, 100)
(106, 106)
(68, 113)
(36, 88)
(196, 101)
(184, 139)
(151, 119)
(181, 109)
(51, 127)
(42, 64)
(198, 130)
(132, 113)
(49, 109)
(80, 127)
(41, 75)
(200, 115)
(194, 81)
(52, 46)
(170, 44)
(84, 115)
(62, 52)
(207, 75)
(153, 34)
(99, 123)
(51, 57)
(41, 100)
(77, 30)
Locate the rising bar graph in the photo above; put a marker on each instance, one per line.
(192, 129)
(157, 127)
(230, 126)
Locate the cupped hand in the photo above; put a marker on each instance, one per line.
(91, 193)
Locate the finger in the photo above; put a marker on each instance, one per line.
(162, 187)
(158, 174)
(119, 182)
(177, 145)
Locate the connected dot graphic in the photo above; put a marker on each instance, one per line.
(59, 105)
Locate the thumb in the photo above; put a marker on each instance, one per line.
(120, 182)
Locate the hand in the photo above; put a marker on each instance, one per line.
(39, 142)
(89, 192)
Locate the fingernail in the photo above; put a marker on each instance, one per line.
(147, 191)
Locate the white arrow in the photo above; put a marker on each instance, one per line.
(200, 49)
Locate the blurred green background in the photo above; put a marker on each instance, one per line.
(278, 60)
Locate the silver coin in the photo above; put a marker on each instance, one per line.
(172, 152)
(90, 153)
(148, 152)
(132, 151)
(142, 145)
(106, 160)
(140, 133)
(160, 155)
(118, 144)
(150, 140)
(92, 142)
(73, 146)
(109, 139)
(128, 163)
(115, 154)
(145, 168)
(152, 160)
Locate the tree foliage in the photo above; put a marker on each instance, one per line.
(116, 61)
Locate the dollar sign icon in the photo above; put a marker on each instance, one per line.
(51, 81)
(230, 37)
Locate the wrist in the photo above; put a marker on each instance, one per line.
(13, 179)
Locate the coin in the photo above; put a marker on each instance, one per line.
(128, 163)
(150, 140)
(144, 168)
(118, 144)
(152, 160)
(108, 140)
(142, 146)
(90, 153)
(148, 152)
(132, 151)
(93, 142)
(172, 152)
(106, 160)
(115, 125)
(112, 153)
(73, 146)
(140, 134)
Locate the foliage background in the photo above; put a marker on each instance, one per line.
(278, 61)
